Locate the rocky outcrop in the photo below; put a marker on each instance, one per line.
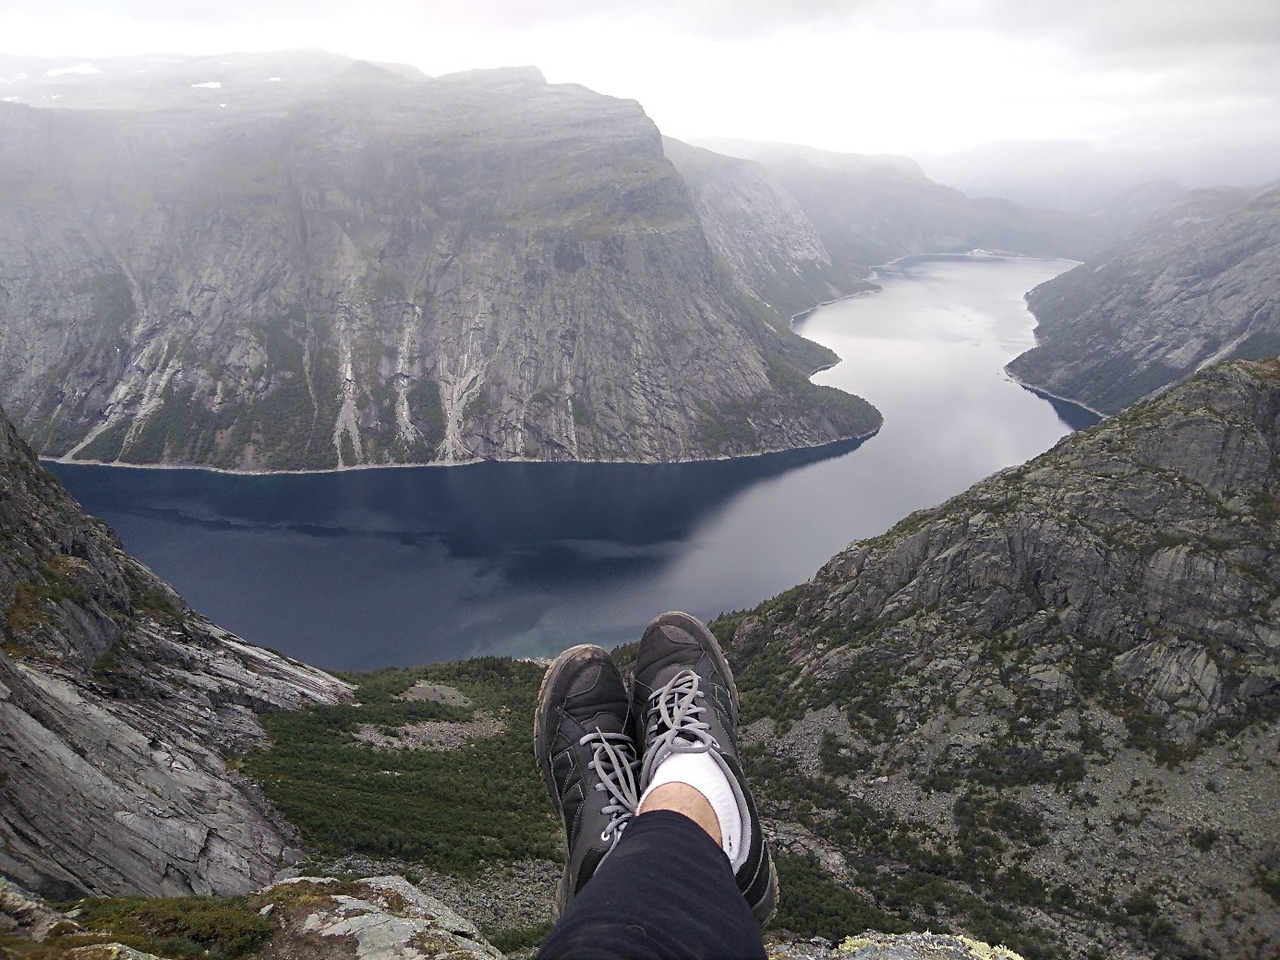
(1058, 691)
(379, 918)
(1196, 284)
(23, 915)
(366, 920)
(119, 708)
(373, 268)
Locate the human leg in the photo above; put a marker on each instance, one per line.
(691, 876)
(685, 703)
(665, 891)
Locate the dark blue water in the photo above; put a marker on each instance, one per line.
(371, 568)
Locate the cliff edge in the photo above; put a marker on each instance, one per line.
(118, 709)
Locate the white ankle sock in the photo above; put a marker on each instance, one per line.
(704, 774)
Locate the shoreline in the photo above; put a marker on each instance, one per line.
(858, 439)
(320, 471)
(871, 288)
(1041, 392)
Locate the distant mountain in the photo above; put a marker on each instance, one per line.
(761, 235)
(1197, 283)
(118, 707)
(1120, 213)
(353, 265)
(1046, 712)
(870, 210)
(261, 83)
(1083, 177)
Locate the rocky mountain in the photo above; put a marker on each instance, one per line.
(119, 707)
(1197, 283)
(764, 239)
(361, 266)
(1048, 710)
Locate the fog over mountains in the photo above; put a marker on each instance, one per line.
(300, 261)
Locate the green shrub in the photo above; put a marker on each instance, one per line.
(449, 810)
(813, 904)
(1203, 840)
(178, 927)
(519, 938)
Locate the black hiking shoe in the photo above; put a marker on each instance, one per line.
(588, 759)
(684, 700)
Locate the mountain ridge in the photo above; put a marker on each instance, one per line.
(382, 270)
(1193, 285)
(1057, 693)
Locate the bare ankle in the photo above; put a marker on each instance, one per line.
(684, 799)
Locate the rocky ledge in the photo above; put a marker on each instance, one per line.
(118, 709)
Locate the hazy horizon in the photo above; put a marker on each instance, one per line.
(1167, 88)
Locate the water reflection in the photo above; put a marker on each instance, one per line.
(369, 567)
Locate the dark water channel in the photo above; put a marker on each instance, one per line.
(371, 568)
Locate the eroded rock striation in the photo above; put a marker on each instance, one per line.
(376, 268)
(1196, 284)
(1047, 709)
(118, 709)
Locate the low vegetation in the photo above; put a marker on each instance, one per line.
(179, 928)
(448, 810)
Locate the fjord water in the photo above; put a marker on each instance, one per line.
(368, 568)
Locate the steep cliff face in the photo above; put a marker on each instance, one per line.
(764, 239)
(118, 705)
(1050, 704)
(1198, 283)
(378, 270)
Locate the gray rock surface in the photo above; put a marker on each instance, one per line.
(119, 707)
(380, 269)
(384, 918)
(23, 914)
(919, 946)
(1196, 284)
(1060, 689)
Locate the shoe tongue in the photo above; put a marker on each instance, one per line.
(597, 698)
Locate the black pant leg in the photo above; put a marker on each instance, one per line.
(666, 891)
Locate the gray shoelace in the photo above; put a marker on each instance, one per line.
(614, 761)
(673, 725)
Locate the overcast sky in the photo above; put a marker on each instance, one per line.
(866, 76)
